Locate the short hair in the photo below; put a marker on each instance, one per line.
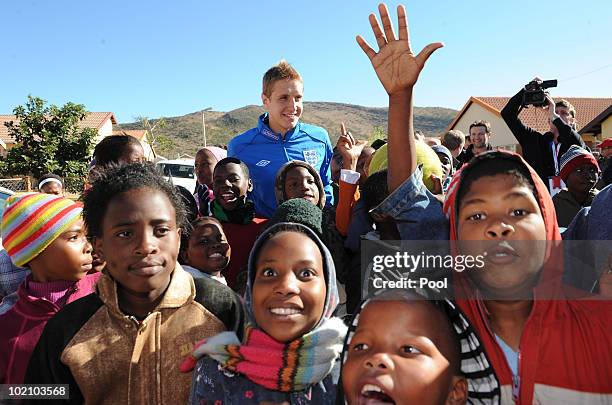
(283, 70)
(50, 176)
(226, 161)
(453, 139)
(566, 104)
(375, 189)
(112, 148)
(481, 123)
(492, 164)
(119, 179)
(199, 222)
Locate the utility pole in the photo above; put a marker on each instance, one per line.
(204, 124)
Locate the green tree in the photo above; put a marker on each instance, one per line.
(378, 132)
(160, 143)
(48, 140)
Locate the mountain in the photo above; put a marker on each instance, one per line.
(184, 134)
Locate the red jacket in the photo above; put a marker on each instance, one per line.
(21, 326)
(241, 239)
(565, 351)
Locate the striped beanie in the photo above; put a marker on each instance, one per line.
(573, 158)
(31, 222)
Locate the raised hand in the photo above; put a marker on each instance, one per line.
(349, 148)
(396, 66)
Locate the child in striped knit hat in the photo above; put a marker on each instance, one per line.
(579, 171)
(46, 234)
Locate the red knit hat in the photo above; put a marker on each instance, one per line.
(607, 143)
(573, 158)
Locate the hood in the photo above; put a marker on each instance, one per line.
(331, 296)
(217, 152)
(279, 184)
(551, 274)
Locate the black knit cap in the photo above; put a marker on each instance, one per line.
(301, 211)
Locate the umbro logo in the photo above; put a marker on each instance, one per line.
(263, 163)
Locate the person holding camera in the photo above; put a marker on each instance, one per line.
(543, 151)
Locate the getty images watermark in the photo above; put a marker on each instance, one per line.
(398, 270)
(486, 265)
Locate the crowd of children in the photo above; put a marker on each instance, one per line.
(250, 289)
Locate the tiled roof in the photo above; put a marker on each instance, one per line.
(586, 110)
(139, 134)
(92, 120)
(595, 124)
(4, 135)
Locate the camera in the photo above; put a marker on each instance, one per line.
(534, 93)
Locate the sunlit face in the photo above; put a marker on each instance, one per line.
(289, 288)
(583, 178)
(230, 185)
(479, 137)
(140, 241)
(284, 105)
(501, 219)
(565, 114)
(208, 249)
(300, 183)
(71, 250)
(205, 163)
(133, 154)
(396, 357)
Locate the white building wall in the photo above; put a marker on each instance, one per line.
(502, 137)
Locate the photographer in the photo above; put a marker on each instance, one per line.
(542, 151)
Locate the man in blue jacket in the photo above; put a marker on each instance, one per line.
(279, 138)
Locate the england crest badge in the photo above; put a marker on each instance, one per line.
(311, 157)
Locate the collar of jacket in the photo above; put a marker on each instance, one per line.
(265, 130)
(180, 291)
(35, 307)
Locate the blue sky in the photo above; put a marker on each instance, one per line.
(162, 58)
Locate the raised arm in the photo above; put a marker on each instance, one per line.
(398, 70)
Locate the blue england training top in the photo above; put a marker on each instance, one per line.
(265, 151)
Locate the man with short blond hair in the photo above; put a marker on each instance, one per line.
(279, 138)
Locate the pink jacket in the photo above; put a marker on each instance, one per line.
(23, 324)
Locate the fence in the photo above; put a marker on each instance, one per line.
(19, 184)
(72, 185)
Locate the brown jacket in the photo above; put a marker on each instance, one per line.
(108, 357)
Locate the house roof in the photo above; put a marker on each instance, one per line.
(586, 110)
(595, 124)
(92, 120)
(139, 134)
